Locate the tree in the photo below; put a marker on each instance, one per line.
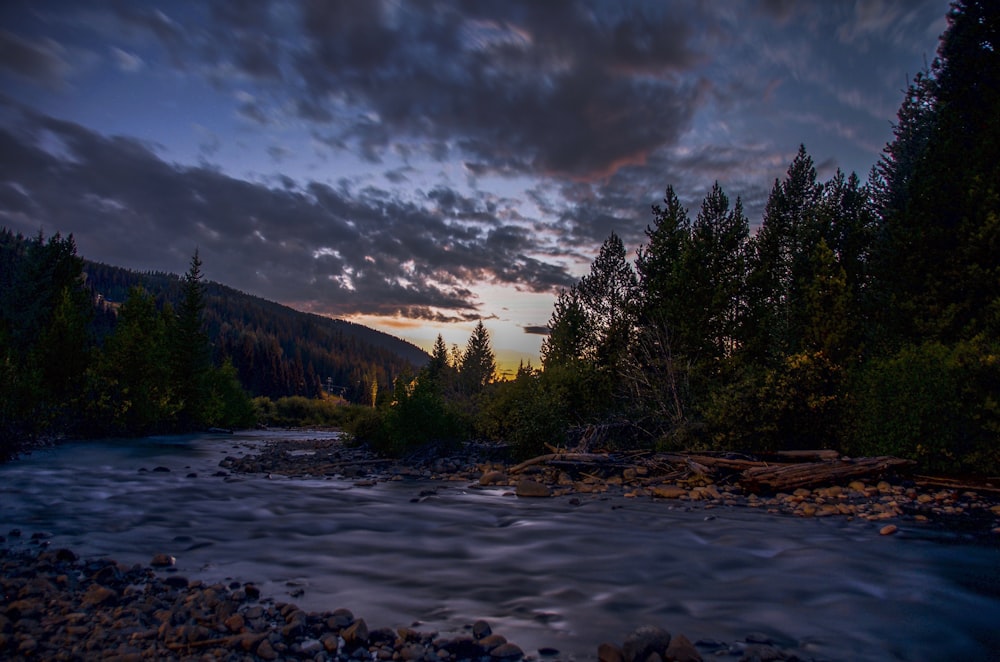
(659, 264)
(779, 262)
(607, 296)
(715, 268)
(939, 202)
(130, 390)
(190, 353)
(569, 331)
(479, 364)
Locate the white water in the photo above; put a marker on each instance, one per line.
(542, 572)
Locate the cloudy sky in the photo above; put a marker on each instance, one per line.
(416, 165)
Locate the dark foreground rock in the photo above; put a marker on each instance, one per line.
(55, 606)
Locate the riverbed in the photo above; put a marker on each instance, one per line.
(552, 573)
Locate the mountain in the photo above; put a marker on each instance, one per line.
(276, 350)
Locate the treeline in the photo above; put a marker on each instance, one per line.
(276, 351)
(152, 373)
(860, 316)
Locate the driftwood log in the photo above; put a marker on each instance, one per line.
(787, 477)
(550, 458)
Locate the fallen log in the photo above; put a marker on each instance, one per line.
(941, 482)
(579, 458)
(802, 456)
(787, 477)
(714, 462)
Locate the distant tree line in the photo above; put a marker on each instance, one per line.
(152, 373)
(277, 352)
(860, 316)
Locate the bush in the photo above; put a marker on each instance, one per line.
(798, 405)
(527, 413)
(418, 414)
(299, 411)
(934, 404)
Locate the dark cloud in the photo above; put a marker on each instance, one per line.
(536, 330)
(40, 61)
(335, 250)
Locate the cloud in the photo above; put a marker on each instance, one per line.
(40, 61)
(536, 330)
(334, 250)
(127, 62)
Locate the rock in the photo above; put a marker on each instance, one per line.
(340, 619)
(98, 595)
(265, 651)
(356, 634)
(491, 641)
(645, 641)
(235, 623)
(176, 581)
(682, 650)
(762, 653)
(888, 530)
(529, 488)
(481, 629)
(493, 478)
(162, 561)
(609, 653)
(161, 469)
(669, 492)
(507, 651)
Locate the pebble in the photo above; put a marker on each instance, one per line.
(888, 530)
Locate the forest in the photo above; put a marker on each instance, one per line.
(862, 317)
(94, 350)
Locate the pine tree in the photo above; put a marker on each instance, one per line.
(715, 271)
(779, 262)
(478, 362)
(190, 352)
(608, 296)
(658, 264)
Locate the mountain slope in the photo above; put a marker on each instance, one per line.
(276, 350)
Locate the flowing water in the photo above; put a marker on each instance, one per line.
(542, 572)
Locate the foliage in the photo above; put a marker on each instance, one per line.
(299, 411)
(932, 403)
(527, 412)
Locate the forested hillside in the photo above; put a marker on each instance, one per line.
(277, 351)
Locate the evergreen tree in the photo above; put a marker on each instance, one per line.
(130, 381)
(658, 264)
(607, 296)
(190, 353)
(938, 273)
(780, 259)
(715, 270)
(478, 362)
(569, 331)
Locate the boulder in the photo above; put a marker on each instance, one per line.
(645, 641)
(669, 492)
(530, 488)
(682, 650)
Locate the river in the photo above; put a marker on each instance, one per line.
(542, 572)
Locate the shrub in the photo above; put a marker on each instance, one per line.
(934, 404)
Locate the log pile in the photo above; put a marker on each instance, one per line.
(789, 477)
(791, 471)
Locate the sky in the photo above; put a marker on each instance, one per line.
(418, 166)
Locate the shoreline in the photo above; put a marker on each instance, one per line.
(59, 606)
(885, 500)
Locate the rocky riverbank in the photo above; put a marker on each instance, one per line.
(56, 606)
(885, 500)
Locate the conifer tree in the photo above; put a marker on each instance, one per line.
(478, 362)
